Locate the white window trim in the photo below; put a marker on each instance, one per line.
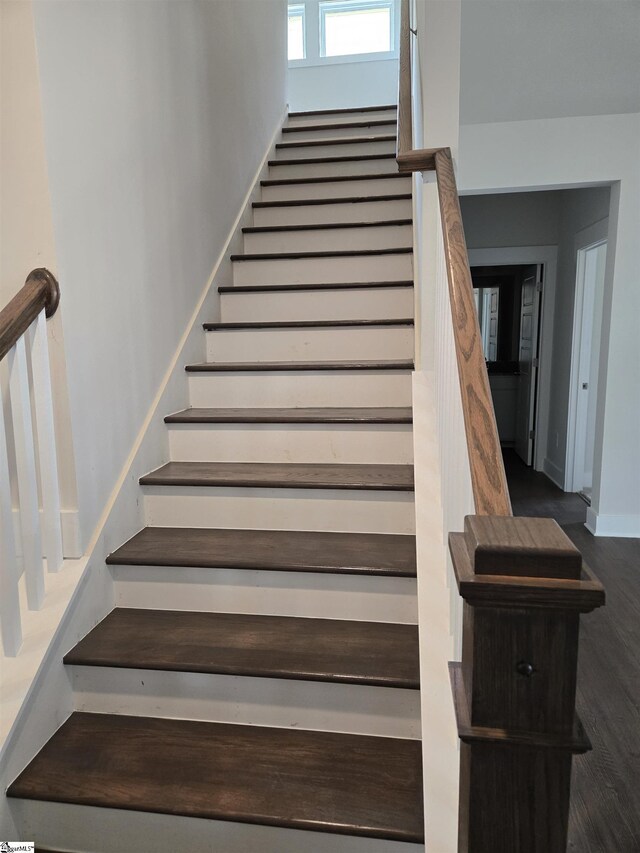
(312, 41)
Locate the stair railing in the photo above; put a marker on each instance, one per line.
(523, 582)
(28, 465)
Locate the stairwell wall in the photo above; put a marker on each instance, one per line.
(156, 117)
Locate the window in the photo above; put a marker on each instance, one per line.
(296, 32)
(355, 26)
(334, 31)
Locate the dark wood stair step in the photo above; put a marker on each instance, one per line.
(268, 475)
(383, 554)
(349, 784)
(347, 140)
(342, 253)
(343, 111)
(325, 226)
(350, 652)
(340, 125)
(356, 285)
(376, 176)
(357, 199)
(344, 158)
(267, 366)
(307, 324)
(390, 415)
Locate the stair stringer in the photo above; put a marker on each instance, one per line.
(48, 700)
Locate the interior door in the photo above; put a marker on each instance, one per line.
(492, 349)
(528, 362)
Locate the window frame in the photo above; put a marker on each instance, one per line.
(298, 10)
(313, 36)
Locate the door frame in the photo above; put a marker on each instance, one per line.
(548, 257)
(589, 238)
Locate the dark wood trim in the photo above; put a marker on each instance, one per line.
(404, 142)
(375, 554)
(40, 291)
(347, 140)
(343, 111)
(345, 158)
(355, 285)
(418, 160)
(490, 491)
(325, 226)
(339, 125)
(334, 179)
(362, 199)
(307, 324)
(297, 366)
(319, 415)
(343, 253)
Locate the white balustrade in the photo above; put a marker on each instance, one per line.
(28, 460)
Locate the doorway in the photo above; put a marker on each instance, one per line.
(585, 359)
(508, 301)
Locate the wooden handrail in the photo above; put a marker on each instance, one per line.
(40, 290)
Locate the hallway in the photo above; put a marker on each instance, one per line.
(605, 794)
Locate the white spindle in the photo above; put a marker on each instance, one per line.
(46, 442)
(26, 475)
(10, 624)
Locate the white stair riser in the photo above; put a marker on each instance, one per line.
(364, 145)
(329, 443)
(268, 593)
(339, 132)
(324, 240)
(337, 189)
(300, 388)
(317, 214)
(324, 270)
(344, 510)
(332, 118)
(284, 170)
(346, 304)
(247, 700)
(69, 827)
(310, 344)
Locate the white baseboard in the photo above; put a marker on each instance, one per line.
(70, 523)
(627, 526)
(553, 472)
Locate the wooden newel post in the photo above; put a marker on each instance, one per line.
(524, 586)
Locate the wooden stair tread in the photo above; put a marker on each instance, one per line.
(338, 158)
(341, 125)
(248, 366)
(327, 179)
(385, 554)
(357, 199)
(283, 475)
(389, 415)
(343, 110)
(325, 226)
(354, 784)
(307, 324)
(345, 140)
(267, 288)
(341, 253)
(346, 651)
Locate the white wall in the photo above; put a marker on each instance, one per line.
(569, 152)
(342, 85)
(156, 117)
(26, 225)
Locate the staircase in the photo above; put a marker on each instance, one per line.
(256, 687)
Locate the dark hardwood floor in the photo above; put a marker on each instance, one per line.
(605, 794)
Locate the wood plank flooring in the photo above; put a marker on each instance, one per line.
(386, 415)
(605, 794)
(308, 780)
(375, 653)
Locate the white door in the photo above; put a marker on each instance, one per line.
(587, 325)
(528, 362)
(492, 350)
